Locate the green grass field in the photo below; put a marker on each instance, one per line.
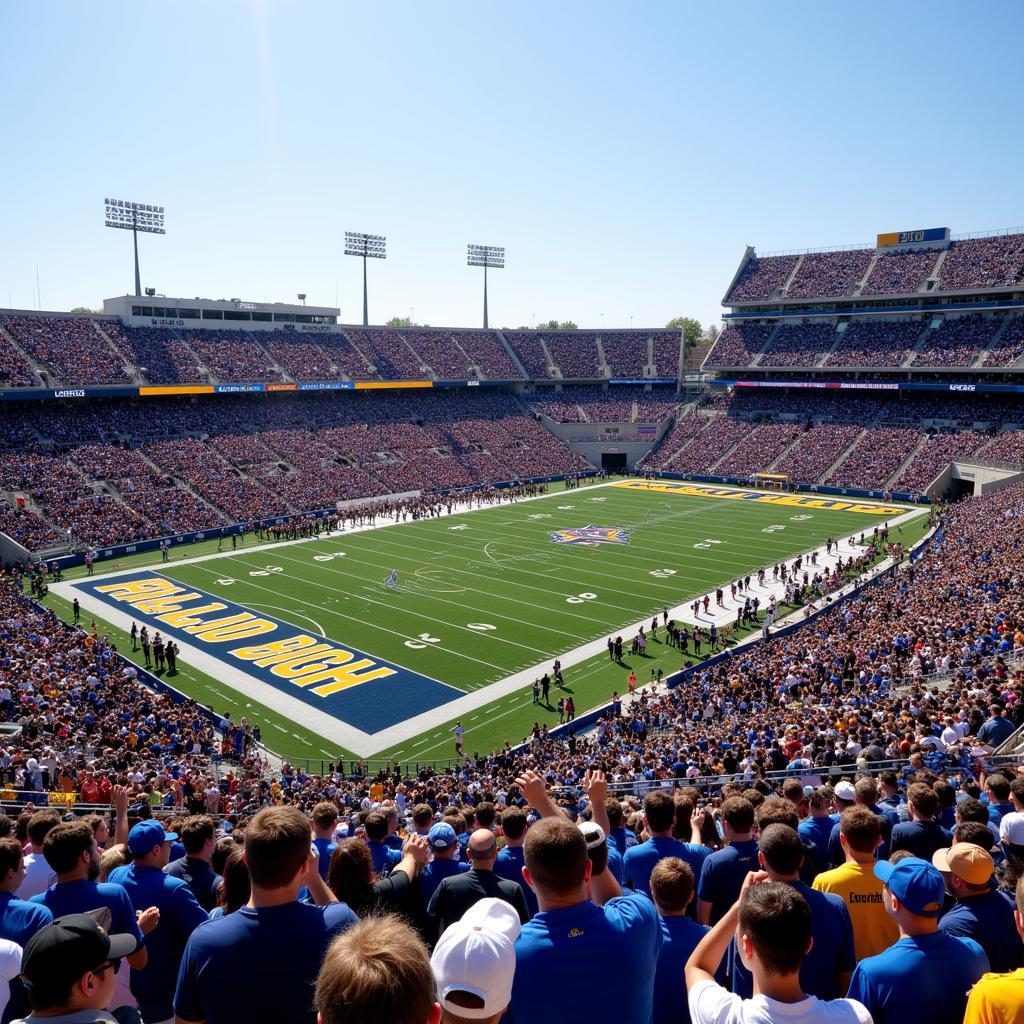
(487, 594)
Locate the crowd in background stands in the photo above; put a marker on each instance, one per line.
(798, 345)
(829, 273)
(762, 278)
(72, 350)
(290, 455)
(983, 262)
(760, 448)
(876, 342)
(738, 344)
(581, 404)
(1009, 347)
(900, 271)
(958, 341)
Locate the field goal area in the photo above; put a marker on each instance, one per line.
(772, 481)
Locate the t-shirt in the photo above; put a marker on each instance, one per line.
(560, 953)
(679, 938)
(199, 877)
(997, 999)
(920, 978)
(82, 896)
(38, 875)
(180, 915)
(709, 1003)
(434, 873)
(640, 861)
(818, 831)
(326, 848)
(831, 951)
(10, 968)
(282, 946)
(457, 893)
(509, 864)
(383, 857)
(722, 876)
(988, 919)
(873, 929)
(21, 919)
(622, 839)
(921, 838)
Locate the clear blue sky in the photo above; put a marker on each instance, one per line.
(624, 154)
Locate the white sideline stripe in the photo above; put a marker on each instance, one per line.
(356, 741)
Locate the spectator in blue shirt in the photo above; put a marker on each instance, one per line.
(198, 835)
(825, 971)
(584, 922)
(922, 835)
(672, 886)
(620, 837)
(180, 914)
(383, 857)
(19, 919)
(71, 851)
(997, 728)
(659, 816)
(275, 938)
(511, 859)
(925, 975)
(444, 849)
(325, 821)
(817, 828)
(724, 870)
(997, 790)
(980, 912)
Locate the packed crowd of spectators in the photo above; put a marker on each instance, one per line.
(73, 350)
(573, 352)
(762, 278)
(618, 404)
(958, 341)
(1009, 347)
(876, 342)
(829, 273)
(875, 457)
(758, 450)
(991, 262)
(938, 452)
(798, 344)
(901, 271)
(385, 350)
(738, 344)
(529, 349)
(816, 451)
(15, 369)
(626, 352)
(233, 356)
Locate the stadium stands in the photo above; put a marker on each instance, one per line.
(990, 262)
(233, 356)
(738, 344)
(900, 271)
(876, 343)
(762, 278)
(72, 350)
(958, 341)
(823, 274)
(798, 344)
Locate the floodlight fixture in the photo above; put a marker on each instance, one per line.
(135, 217)
(489, 257)
(150, 292)
(301, 297)
(358, 243)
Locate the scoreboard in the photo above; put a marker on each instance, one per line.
(891, 238)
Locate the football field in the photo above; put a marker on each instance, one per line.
(310, 640)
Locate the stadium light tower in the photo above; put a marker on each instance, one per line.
(135, 217)
(368, 246)
(485, 256)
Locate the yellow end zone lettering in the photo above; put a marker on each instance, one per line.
(153, 587)
(763, 497)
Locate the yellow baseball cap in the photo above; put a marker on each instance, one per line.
(967, 861)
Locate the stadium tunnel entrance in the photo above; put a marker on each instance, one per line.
(613, 462)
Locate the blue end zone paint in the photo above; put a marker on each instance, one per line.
(370, 705)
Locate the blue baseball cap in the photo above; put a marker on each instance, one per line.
(915, 883)
(441, 836)
(147, 834)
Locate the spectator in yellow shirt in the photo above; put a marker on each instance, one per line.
(860, 832)
(999, 998)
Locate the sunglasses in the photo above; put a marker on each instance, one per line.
(106, 966)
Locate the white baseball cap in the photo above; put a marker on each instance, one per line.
(476, 955)
(845, 791)
(1011, 828)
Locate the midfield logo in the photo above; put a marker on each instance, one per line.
(591, 536)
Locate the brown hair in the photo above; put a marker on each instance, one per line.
(235, 886)
(738, 814)
(924, 800)
(777, 920)
(377, 970)
(10, 856)
(65, 843)
(350, 874)
(777, 810)
(659, 810)
(40, 823)
(376, 825)
(861, 827)
(672, 884)
(325, 813)
(783, 852)
(556, 856)
(196, 832)
(277, 843)
(513, 823)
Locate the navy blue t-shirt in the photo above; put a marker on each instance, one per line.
(255, 965)
(82, 896)
(199, 877)
(640, 860)
(679, 938)
(818, 831)
(509, 864)
(434, 873)
(559, 954)
(921, 838)
(923, 978)
(831, 952)
(988, 919)
(722, 876)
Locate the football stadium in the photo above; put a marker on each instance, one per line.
(354, 668)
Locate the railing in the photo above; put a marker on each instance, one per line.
(872, 245)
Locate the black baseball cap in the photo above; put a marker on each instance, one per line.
(64, 950)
